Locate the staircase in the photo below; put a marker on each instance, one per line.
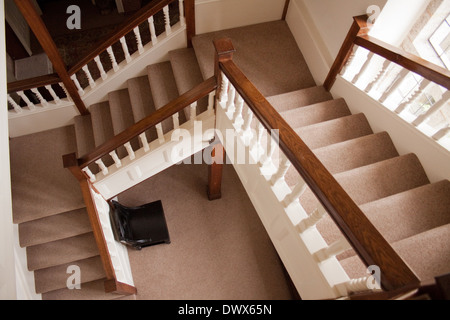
(392, 189)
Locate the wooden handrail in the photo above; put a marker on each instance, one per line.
(127, 26)
(152, 120)
(358, 35)
(35, 82)
(370, 245)
(40, 30)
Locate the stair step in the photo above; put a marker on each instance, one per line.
(121, 111)
(187, 74)
(315, 113)
(355, 153)
(335, 131)
(84, 134)
(164, 89)
(101, 122)
(299, 98)
(426, 254)
(61, 251)
(54, 278)
(52, 228)
(94, 290)
(376, 181)
(401, 215)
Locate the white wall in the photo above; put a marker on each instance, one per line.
(319, 27)
(7, 273)
(214, 15)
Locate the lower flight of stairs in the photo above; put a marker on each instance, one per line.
(392, 190)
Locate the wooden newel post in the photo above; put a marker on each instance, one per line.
(189, 13)
(358, 27)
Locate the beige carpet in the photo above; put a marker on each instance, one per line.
(218, 249)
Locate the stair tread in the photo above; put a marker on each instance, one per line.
(299, 98)
(94, 290)
(334, 131)
(61, 251)
(101, 123)
(426, 254)
(56, 227)
(376, 181)
(141, 97)
(121, 111)
(54, 278)
(315, 113)
(401, 215)
(164, 89)
(187, 74)
(84, 134)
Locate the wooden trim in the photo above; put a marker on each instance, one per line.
(408, 61)
(40, 31)
(285, 10)
(117, 287)
(160, 115)
(70, 162)
(370, 245)
(136, 19)
(189, 14)
(215, 171)
(35, 82)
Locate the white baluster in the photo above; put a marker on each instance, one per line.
(116, 159)
(296, 193)
(44, 102)
(113, 58)
(30, 104)
(349, 61)
(130, 150)
(238, 120)
(267, 157)
(89, 76)
(441, 133)
(143, 138)
(332, 250)
(89, 174)
(416, 93)
(77, 84)
(211, 99)
(68, 97)
(176, 121)
(151, 25)
(434, 108)
(354, 285)
(284, 166)
(247, 133)
(137, 34)
(230, 101)
(167, 20)
(363, 68)
(100, 68)
(102, 167)
(53, 94)
(378, 76)
(123, 41)
(312, 220)
(395, 85)
(256, 143)
(159, 131)
(14, 104)
(181, 10)
(193, 114)
(223, 96)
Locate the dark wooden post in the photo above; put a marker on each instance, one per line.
(40, 31)
(357, 27)
(189, 14)
(285, 10)
(215, 171)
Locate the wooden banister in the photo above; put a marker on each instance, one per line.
(370, 245)
(35, 82)
(358, 35)
(127, 26)
(160, 115)
(40, 30)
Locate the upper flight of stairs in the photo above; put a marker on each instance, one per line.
(393, 190)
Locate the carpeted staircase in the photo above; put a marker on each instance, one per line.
(393, 190)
